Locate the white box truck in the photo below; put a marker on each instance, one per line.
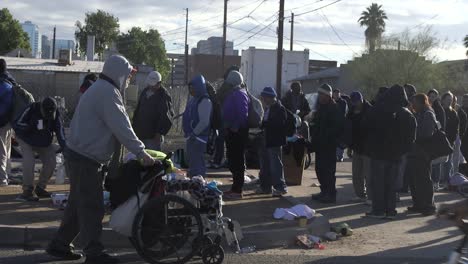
(258, 66)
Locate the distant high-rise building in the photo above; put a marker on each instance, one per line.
(46, 47)
(214, 46)
(63, 44)
(34, 38)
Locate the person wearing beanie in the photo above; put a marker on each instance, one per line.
(358, 148)
(152, 118)
(35, 130)
(6, 104)
(274, 138)
(410, 90)
(295, 101)
(235, 110)
(326, 129)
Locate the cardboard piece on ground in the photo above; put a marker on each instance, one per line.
(293, 173)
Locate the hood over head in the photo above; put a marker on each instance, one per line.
(396, 96)
(235, 78)
(199, 85)
(232, 68)
(118, 69)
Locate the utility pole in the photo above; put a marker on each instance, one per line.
(292, 32)
(172, 73)
(53, 43)
(223, 52)
(279, 57)
(186, 48)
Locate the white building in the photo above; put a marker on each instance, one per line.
(34, 38)
(258, 66)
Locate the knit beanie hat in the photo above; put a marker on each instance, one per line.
(268, 92)
(325, 89)
(356, 97)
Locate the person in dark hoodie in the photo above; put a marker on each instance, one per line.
(153, 114)
(235, 110)
(451, 130)
(361, 160)
(35, 131)
(295, 101)
(274, 138)
(391, 127)
(379, 96)
(343, 106)
(462, 117)
(196, 124)
(419, 163)
(326, 128)
(410, 90)
(439, 111)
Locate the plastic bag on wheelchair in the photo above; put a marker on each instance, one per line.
(122, 217)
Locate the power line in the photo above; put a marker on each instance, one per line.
(300, 7)
(336, 33)
(314, 10)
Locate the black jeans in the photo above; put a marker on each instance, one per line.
(384, 180)
(85, 208)
(419, 169)
(325, 167)
(236, 143)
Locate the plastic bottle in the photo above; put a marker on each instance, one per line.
(247, 250)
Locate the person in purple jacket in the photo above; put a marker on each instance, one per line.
(235, 111)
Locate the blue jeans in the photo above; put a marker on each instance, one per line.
(271, 171)
(447, 170)
(196, 155)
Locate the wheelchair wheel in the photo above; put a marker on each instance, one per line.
(165, 230)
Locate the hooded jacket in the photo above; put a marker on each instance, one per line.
(236, 104)
(197, 114)
(28, 128)
(358, 132)
(100, 120)
(440, 113)
(391, 127)
(452, 124)
(326, 127)
(294, 102)
(274, 125)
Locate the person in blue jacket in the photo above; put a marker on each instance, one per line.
(35, 130)
(196, 125)
(6, 101)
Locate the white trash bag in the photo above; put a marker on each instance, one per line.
(122, 217)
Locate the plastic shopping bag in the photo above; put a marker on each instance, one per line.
(122, 217)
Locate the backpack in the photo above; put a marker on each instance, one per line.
(256, 112)
(6, 113)
(21, 100)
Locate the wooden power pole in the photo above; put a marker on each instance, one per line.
(53, 43)
(186, 48)
(279, 60)
(223, 52)
(292, 32)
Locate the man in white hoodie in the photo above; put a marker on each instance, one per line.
(99, 124)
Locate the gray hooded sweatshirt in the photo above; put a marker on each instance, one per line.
(100, 120)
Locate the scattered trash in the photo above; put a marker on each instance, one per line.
(315, 239)
(319, 246)
(331, 236)
(247, 179)
(60, 200)
(344, 229)
(303, 240)
(247, 250)
(302, 221)
(294, 212)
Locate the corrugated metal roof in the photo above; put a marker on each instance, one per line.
(328, 73)
(52, 65)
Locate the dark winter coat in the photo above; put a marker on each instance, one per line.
(463, 118)
(296, 102)
(274, 126)
(153, 114)
(358, 132)
(343, 106)
(440, 114)
(391, 127)
(27, 128)
(326, 127)
(451, 125)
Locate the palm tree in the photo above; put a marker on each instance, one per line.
(374, 19)
(465, 41)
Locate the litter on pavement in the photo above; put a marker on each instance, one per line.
(294, 212)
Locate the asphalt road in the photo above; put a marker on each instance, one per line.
(17, 256)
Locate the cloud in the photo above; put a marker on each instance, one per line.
(168, 16)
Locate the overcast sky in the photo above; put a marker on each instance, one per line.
(312, 31)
